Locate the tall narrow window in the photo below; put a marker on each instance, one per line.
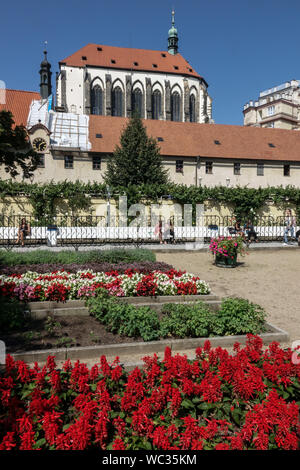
(96, 100)
(286, 170)
(96, 162)
(175, 106)
(260, 169)
(137, 102)
(179, 166)
(208, 168)
(116, 102)
(156, 104)
(271, 110)
(192, 108)
(68, 161)
(236, 168)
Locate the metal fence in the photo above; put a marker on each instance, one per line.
(93, 230)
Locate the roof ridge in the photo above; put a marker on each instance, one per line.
(23, 91)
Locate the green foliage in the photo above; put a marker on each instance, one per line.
(137, 160)
(12, 314)
(245, 202)
(16, 153)
(125, 319)
(236, 317)
(79, 257)
(183, 320)
(239, 316)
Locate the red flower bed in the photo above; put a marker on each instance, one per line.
(217, 401)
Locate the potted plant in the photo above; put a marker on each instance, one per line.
(226, 250)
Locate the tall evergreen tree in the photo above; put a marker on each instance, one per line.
(16, 153)
(137, 159)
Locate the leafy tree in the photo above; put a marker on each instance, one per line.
(137, 160)
(16, 153)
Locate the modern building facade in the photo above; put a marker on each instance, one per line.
(278, 107)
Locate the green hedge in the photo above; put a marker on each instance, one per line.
(79, 257)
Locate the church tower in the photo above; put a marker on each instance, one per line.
(173, 37)
(45, 73)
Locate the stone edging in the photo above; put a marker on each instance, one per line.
(145, 348)
(41, 310)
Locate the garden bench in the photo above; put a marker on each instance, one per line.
(9, 235)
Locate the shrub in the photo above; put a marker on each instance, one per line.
(187, 320)
(124, 319)
(239, 316)
(12, 314)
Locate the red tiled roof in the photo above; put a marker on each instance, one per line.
(18, 102)
(192, 139)
(130, 59)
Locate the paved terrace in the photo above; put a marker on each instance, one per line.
(173, 248)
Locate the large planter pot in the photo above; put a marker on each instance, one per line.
(226, 261)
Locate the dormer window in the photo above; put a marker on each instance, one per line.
(175, 67)
(135, 63)
(113, 61)
(99, 49)
(154, 65)
(83, 57)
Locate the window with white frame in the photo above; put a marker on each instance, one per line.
(271, 110)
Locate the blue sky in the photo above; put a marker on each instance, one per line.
(240, 47)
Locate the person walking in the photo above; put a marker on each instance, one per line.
(290, 224)
(158, 230)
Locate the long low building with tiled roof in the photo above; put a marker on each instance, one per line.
(77, 147)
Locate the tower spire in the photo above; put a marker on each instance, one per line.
(173, 37)
(45, 73)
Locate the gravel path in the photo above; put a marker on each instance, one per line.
(266, 277)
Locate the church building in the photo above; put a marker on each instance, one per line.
(98, 89)
(118, 81)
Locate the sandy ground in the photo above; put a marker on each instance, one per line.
(268, 278)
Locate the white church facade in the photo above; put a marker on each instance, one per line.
(116, 81)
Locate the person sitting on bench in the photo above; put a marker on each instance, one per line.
(249, 229)
(24, 230)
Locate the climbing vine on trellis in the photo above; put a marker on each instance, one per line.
(45, 198)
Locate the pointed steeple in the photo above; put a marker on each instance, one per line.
(45, 73)
(173, 37)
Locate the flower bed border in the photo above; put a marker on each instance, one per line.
(150, 347)
(41, 309)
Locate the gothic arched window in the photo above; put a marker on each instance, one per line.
(96, 100)
(117, 102)
(175, 106)
(156, 104)
(137, 102)
(192, 108)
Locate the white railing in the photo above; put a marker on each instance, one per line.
(52, 237)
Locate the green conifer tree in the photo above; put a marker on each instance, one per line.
(137, 159)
